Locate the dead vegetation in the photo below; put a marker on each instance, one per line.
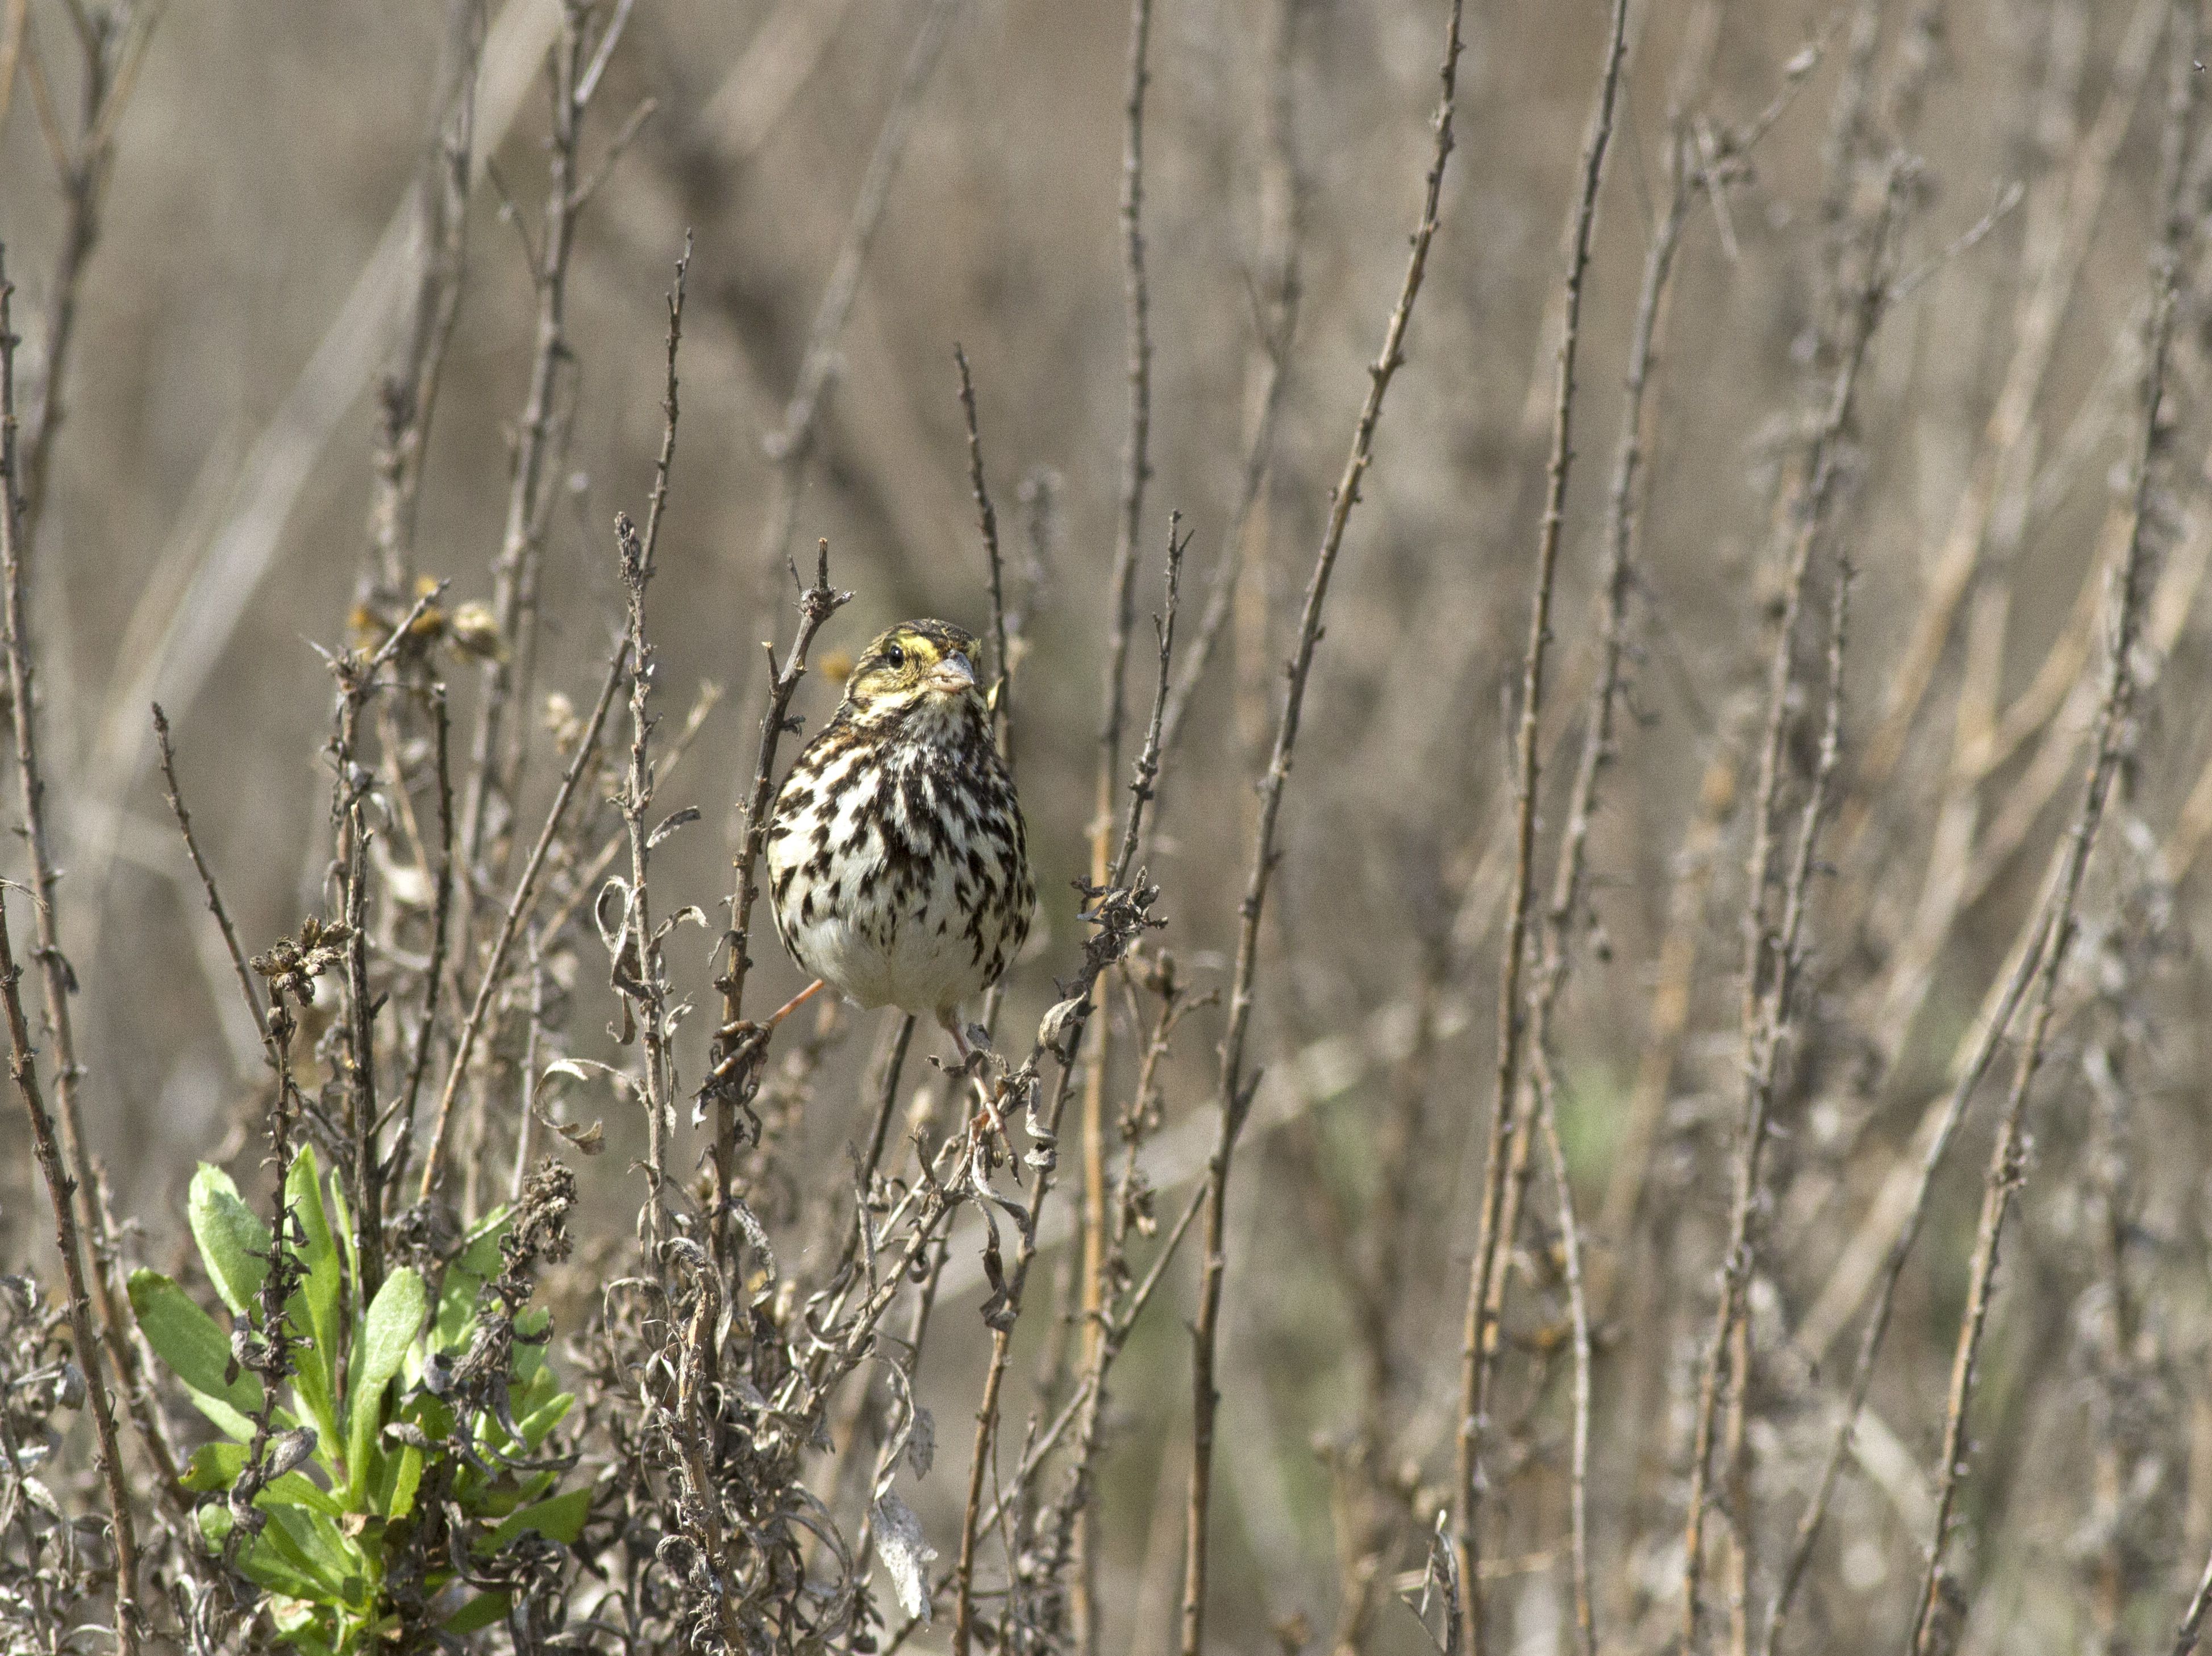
(1610, 1062)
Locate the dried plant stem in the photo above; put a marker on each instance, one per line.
(2192, 1619)
(2008, 1165)
(638, 974)
(113, 44)
(1136, 470)
(207, 877)
(500, 741)
(2044, 305)
(979, 1463)
(13, 25)
(511, 922)
(1146, 770)
(512, 571)
(1766, 1040)
(1267, 365)
(1877, 1249)
(442, 912)
(982, 1458)
(24, 1067)
(737, 1055)
(586, 880)
(885, 1086)
(55, 978)
(1623, 523)
(365, 1173)
(689, 1416)
(1476, 1357)
(1077, 1407)
(637, 968)
(2006, 996)
(1118, 1317)
(1578, 1322)
(1772, 951)
(411, 387)
(817, 603)
(986, 521)
(1236, 1089)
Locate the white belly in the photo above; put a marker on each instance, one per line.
(918, 967)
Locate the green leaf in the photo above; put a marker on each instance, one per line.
(342, 1227)
(214, 1467)
(299, 1553)
(319, 1289)
(480, 1612)
(480, 1252)
(262, 1563)
(311, 1392)
(560, 1519)
(233, 1240)
(530, 1342)
(298, 1489)
(313, 1545)
(477, 1264)
(389, 1328)
(304, 1625)
(431, 1414)
(393, 1321)
(540, 1420)
(186, 1338)
(404, 1483)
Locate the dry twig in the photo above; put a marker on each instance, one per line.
(1236, 1089)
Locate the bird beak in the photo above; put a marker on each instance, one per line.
(953, 675)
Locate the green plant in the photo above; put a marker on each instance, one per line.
(344, 1506)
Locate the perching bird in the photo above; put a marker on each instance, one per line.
(896, 861)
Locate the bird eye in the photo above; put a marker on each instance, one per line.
(896, 656)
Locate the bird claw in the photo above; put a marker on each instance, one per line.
(735, 1038)
(987, 1118)
(740, 1048)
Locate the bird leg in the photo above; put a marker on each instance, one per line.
(744, 1038)
(987, 1113)
(796, 1002)
(950, 1022)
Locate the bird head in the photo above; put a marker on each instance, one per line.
(916, 666)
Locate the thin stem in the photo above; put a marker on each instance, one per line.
(1476, 1345)
(986, 520)
(637, 968)
(2007, 1165)
(410, 388)
(113, 49)
(1268, 367)
(440, 921)
(986, 1415)
(517, 908)
(514, 575)
(55, 974)
(1771, 959)
(737, 1057)
(207, 876)
(1236, 1089)
(1120, 589)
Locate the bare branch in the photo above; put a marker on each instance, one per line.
(1236, 1089)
